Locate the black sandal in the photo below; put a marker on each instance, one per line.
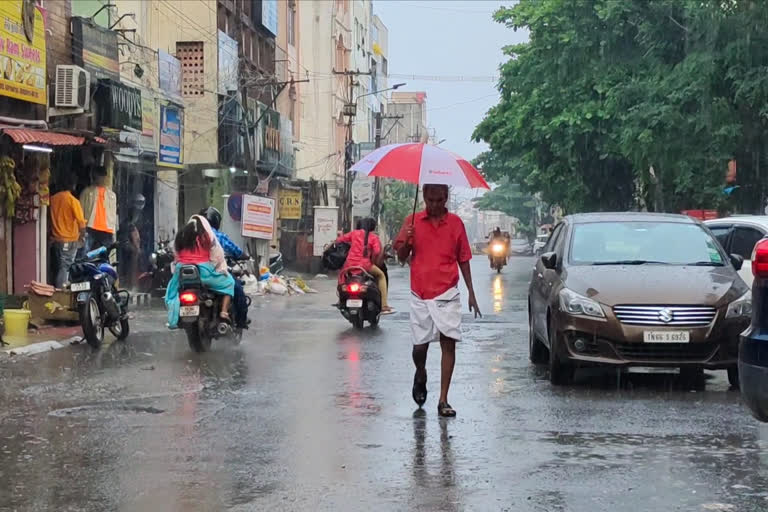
(445, 410)
(419, 391)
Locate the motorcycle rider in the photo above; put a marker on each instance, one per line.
(231, 250)
(497, 237)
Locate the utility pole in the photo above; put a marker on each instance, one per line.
(350, 110)
(376, 206)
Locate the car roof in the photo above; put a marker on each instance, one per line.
(743, 220)
(584, 218)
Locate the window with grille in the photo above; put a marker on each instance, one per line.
(190, 53)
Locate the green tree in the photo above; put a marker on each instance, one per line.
(396, 204)
(605, 90)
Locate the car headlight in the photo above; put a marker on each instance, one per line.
(575, 304)
(740, 307)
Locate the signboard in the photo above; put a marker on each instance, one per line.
(95, 49)
(289, 203)
(362, 196)
(170, 73)
(269, 143)
(258, 217)
(148, 115)
(171, 123)
(22, 61)
(119, 105)
(326, 226)
(227, 64)
(287, 158)
(269, 15)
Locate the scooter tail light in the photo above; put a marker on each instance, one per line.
(760, 259)
(353, 288)
(188, 298)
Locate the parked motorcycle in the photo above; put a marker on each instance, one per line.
(99, 303)
(497, 255)
(359, 297)
(276, 265)
(200, 307)
(156, 279)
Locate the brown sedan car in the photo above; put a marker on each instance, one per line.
(636, 289)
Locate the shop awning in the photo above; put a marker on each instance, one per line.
(27, 136)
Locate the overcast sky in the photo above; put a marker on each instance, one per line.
(450, 38)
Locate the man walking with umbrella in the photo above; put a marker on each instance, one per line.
(436, 241)
(437, 244)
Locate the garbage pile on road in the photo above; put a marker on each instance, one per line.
(268, 283)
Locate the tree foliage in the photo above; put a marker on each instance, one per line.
(605, 91)
(397, 200)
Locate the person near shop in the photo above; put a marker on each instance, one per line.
(436, 241)
(67, 229)
(100, 208)
(231, 250)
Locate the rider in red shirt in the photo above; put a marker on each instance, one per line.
(366, 256)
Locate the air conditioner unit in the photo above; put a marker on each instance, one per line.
(73, 87)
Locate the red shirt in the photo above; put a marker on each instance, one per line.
(356, 240)
(438, 248)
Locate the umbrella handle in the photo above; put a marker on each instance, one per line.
(415, 204)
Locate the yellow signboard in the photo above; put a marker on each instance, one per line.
(289, 201)
(22, 63)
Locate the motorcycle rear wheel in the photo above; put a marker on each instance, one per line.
(357, 320)
(121, 329)
(197, 339)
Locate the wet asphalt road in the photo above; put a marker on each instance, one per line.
(307, 414)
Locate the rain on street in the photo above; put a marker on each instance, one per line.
(309, 414)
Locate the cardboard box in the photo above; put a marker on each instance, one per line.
(57, 307)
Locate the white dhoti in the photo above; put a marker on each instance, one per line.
(433, 317)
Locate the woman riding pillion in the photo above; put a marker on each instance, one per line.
(365, 251)
(196, 244)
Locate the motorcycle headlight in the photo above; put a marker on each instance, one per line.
(741, 307)
(497, 248)
(153, 258)
(575, 304)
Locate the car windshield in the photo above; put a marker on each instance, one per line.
(638, 243)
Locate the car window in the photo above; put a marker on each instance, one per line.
(721, 233)
(744, 240)
(548, 247)
(634, 242)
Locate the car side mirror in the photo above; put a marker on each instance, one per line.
(549, 260)
(737, 261)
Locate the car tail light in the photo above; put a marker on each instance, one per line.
(760, 259)
(188, 298)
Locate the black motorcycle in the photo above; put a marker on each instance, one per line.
(200, 307)
(99, 303)
(156, 279)
(359, 297)
(497, 253)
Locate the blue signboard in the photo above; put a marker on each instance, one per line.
(171, 120)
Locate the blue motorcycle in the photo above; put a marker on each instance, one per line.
(99, 303)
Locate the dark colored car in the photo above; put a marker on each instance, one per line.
(753, 350)
(636, 289)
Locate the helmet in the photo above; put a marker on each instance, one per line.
(213, 215)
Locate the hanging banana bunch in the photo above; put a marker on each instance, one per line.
(10, 190)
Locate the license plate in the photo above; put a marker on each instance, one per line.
(666, 336)
(81, 287)
(189, 311)
(354, 303)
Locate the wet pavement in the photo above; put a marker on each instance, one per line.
(308, 414)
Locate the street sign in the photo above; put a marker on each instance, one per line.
(258, 217)
(326, 226)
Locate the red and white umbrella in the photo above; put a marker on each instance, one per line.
(423, 164)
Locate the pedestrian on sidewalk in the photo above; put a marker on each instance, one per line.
(437, 244)
(67, 229)
(100, 207)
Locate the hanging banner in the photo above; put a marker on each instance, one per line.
(326, 225)
(169, 69)
(94, 48)
(171, 127)
(258, 217)
(228, 69)
(289, 203)
(22, 58)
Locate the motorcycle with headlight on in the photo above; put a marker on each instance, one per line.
(497, 254)
(100, 304)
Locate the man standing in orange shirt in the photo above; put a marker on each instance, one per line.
(67, 229)
(100, 207)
